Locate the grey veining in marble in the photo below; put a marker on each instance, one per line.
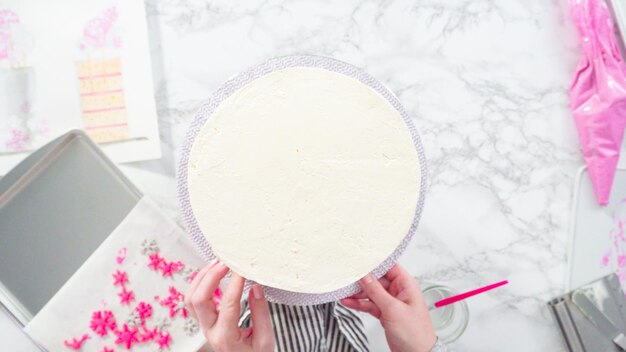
(486, 84)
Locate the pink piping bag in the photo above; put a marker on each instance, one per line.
(598, 94)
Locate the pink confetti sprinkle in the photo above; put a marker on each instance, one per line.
(106, 349)
(77, 343)
(155, 261)
(121, 278)
(164, 340)
(175, 302)
(102, 322)
(156, 297)
(144, 309)
(121, 255)
(127, 336)
(126, 296)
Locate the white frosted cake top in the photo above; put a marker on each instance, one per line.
(304, 180)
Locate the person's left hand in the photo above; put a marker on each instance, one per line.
(221, 329)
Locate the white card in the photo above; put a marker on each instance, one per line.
(82, 64)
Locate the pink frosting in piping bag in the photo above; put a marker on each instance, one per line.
(598, 94)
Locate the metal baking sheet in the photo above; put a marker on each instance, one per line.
(56, 207)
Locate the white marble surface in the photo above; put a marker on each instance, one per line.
(486, 83)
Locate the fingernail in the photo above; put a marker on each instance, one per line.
(212, 263)
(257, 291)
(220, 264)
(367, 279)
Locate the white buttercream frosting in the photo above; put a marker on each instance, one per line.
(304, 180)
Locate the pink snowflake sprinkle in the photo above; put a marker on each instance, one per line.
(144, 309)
(606, 258)
(175, 302)
(121, 278)
(164, 340)
(148, 334)
(102, 321)
(155, 261)
(127, 336)
(76, 343)
(126, 296)
(168, 268)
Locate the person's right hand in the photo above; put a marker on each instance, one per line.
(221, 328)
(396, 300)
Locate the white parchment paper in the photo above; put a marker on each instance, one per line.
(91, 288)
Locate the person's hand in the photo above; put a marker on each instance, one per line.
(221, 329)
(397, 301)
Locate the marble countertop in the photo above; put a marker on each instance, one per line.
(486, 83)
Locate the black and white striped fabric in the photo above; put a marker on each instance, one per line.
(326, 327)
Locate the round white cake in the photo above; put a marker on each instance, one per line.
(304, 180)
